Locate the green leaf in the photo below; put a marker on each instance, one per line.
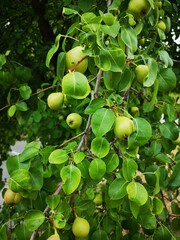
(60, 67)
(129, 168)
(111, 60)
(165, 58)
(147, 220)
(129, 37)
(71, 177)
(100, 235)
(20, 180)
(102, 121)
(11, 111)
(78, 157)
(2, 60)
(53, 50)
(174, 180)
(33, 220)
(142, 134)
(94, 105)
(84, 168)
(25, 92)
(100, 147)
(30, 151)
(163, 158)
(21, 106)
(112, 161)
(69, 11)
(112, 30)
(157, 186)
(97, 168)
(36, 174)
(52, 201)
(134, 209)
(58, 156)
(115, 5)
(167, 80)
(117, 189)
(13, 163)
(59, 220)
(137, 193)
(153, 69)
(169, 130)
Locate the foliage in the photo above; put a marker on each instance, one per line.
(61, 170)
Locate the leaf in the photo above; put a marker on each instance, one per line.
(71, 177)
(33, 220)
(115, 5)
(84, 168)
(36, 174)
(100, 235)
(129, 168)
(153, 69)
(112, 161)
(30, 151)
(100, 147)
(117, 189)
(53, 50)
(52, 201)
(69, 11)
(142, 134)
(59, 220)
(13, 163)
(174, 180)
(157, 186)
(2, 60)
(164, 57)
(169, 130)
(147, 220)
(167, 80)
(78, 157)
(60, 67)
(11, 111)
(97, 168)
(102, 121)
(129, 37)
(94, 105)
(58, 156)
(21, 106)
(20, 180)
(112, 30)
(134, 209)
(25, 92)
(137, 193)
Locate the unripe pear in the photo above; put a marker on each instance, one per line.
(75, 55)
(74, 120)
(55, 100)
(139, 8)
(161, 25)
(123, 127)
(141, 73)
(98, 199)
(80, 227)
(11, 197)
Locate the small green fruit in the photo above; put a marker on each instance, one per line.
(75, 55)
(74, 120)
(11, 197)
(108, 19)
(161, 25)
(98, 199)
(80, 227)
(55, 100)
(123, 127)
(139, 8)
(141, 73)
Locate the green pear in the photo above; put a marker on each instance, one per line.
(141, 73)
(75, 55)
(139, 8)
(74, 120)
(55, 100)
(11, 197)
(161, 25)
(123, 127)
(80, 227)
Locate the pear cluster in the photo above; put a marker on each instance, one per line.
(11, 198)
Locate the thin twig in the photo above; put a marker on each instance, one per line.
(77, 64)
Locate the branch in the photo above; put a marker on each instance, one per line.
(77, 64)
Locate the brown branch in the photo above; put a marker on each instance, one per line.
(77, 64)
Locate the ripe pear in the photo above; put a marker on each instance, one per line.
(139, 8)
(11, 197)
(80, 227)
(161, 25)
(123, 127)
(141, 73)
(75, 55)
(74, 120)
(55, 100)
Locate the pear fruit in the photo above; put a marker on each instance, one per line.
(98, 199)
(141, 73)
(54, 237)
(74, 120)
(75, 55)
(55, 100)
(123, 127)
(80, 227)
(139, 8)
(108, 19)
(11, 197)
(161, 25)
